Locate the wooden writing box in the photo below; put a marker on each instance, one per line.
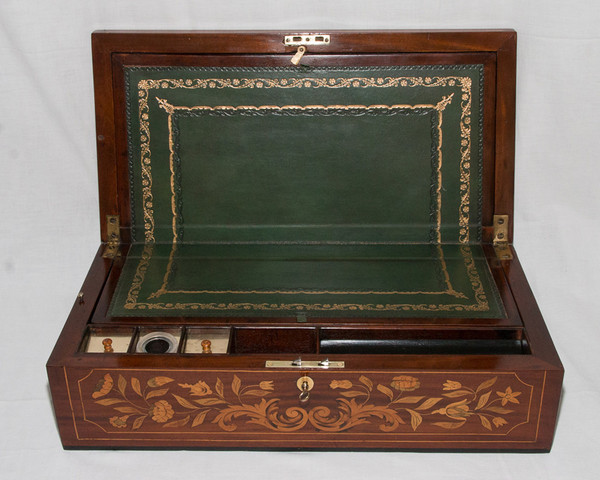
(306, 256)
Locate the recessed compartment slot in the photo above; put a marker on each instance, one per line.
(158, 340)
(274, 340)
(406, 342)
(107, 340)
(196, 338)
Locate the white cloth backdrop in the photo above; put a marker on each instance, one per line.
(49, 218)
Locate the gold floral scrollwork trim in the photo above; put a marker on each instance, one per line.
(439, 108)
(397, 406)
(465, 83)
(481, 302)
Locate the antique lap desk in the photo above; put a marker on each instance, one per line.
(306, 243)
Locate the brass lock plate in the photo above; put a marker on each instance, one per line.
(304, 364)
(308, 380)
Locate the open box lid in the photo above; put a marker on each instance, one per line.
(365, 179)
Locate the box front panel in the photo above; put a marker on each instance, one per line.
(352, 409)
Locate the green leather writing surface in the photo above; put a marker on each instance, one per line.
(327, 191)
(319, 280)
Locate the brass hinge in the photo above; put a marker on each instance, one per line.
(113, 234)
(500, 241)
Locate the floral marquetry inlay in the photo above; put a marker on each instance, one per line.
(400, 404)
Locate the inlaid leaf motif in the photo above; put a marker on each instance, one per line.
(486, 384)
(219, 387)
(122, 384)
(138, 422)
(485, 422)
(178, 423)
(127, 410)
(135, 384)
(184, 403)
(208, 401)
(430, 402)
(236, 385)
(483, 400)
(159, 381)
(457, 393)
(408, 399)
(366, 381)
(109, 401)
(257, 393)
(199, 419)
(415, 418)
(386, 391)
(352, 393)
(156, 393)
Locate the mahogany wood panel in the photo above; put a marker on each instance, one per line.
(346, 409)
(411, 402)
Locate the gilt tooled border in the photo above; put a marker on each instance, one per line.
(464, 83)
(481, 303)
(434, 111)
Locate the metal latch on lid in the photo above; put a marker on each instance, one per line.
(301, 40)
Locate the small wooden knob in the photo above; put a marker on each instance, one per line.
(206, 346)
(107, 342)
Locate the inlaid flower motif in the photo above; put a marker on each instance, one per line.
(499, 421)
(266, 385)
(452, 385)
(508, 396)
(162, 411)
(103, 386)
(199, 389)
(456, 411)
(340, 384)
(405, 383)
(119, 422)
(359, 402)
